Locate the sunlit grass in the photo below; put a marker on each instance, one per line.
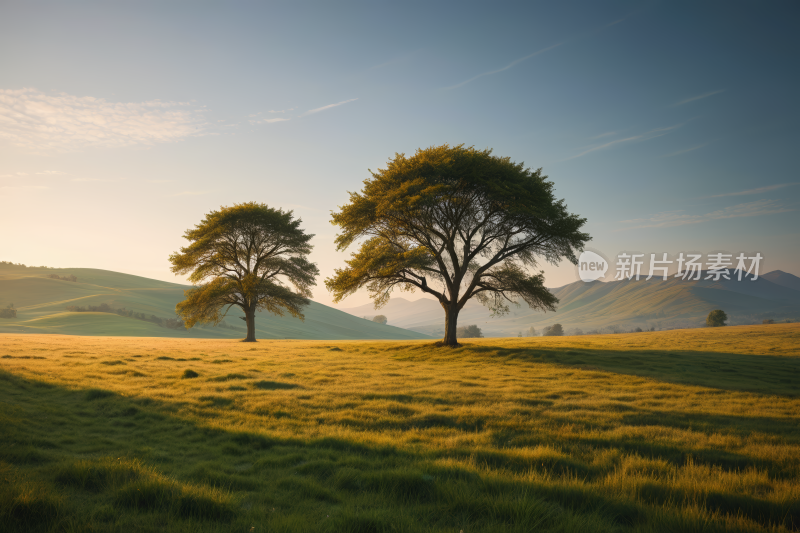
(687, 430)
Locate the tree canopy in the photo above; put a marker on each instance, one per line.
(456, 223)
(245, 256)
(556, 330)
(716, 318)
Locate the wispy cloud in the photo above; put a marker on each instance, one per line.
(606, 134)
(62, 122)
(99, 180)
(670, 219)
(330, 106)
(652, 134)
(695, 98)
(50, 173)
(687, 150)
(510, 65)
(758, 190)
(254, 119)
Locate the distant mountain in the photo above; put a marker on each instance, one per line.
(42, 302)
(783, 279)
(625, 304)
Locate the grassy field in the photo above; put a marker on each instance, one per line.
(687, 430)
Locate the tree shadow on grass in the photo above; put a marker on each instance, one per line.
(173, 468)
(760, 374)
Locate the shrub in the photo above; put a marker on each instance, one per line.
(71, 277)
(190, 374)
(768, 321)
(716, 318)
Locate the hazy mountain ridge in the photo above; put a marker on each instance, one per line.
(42, 302)
(626, 304)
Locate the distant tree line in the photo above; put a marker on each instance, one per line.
(470, 332)
(71, 277)
(9, 263)
(171, 323)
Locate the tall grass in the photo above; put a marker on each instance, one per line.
(696, 430)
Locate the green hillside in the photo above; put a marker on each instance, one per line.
(42, 302)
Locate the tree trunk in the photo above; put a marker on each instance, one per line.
(450, 324)
(250, 318)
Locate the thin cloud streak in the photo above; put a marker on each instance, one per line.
(606, 134)
(652, 134)
(513, 63)
(694, 98)
(671, 219)
(329, 106)
(754, 191)
(692, 149)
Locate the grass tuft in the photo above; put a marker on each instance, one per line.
(98, 394)
(274, 385)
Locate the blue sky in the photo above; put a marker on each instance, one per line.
(670, 126)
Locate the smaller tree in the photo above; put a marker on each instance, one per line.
(245, 256)
(470, 332)
(556, 330)
(716, 318)
(531, 332)
(380, 319)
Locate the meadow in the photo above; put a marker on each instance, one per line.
(684, 430)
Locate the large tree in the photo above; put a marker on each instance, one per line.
(245, 256)
(455, 223)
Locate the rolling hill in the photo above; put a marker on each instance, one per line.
(623, 304)
(41, 303)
